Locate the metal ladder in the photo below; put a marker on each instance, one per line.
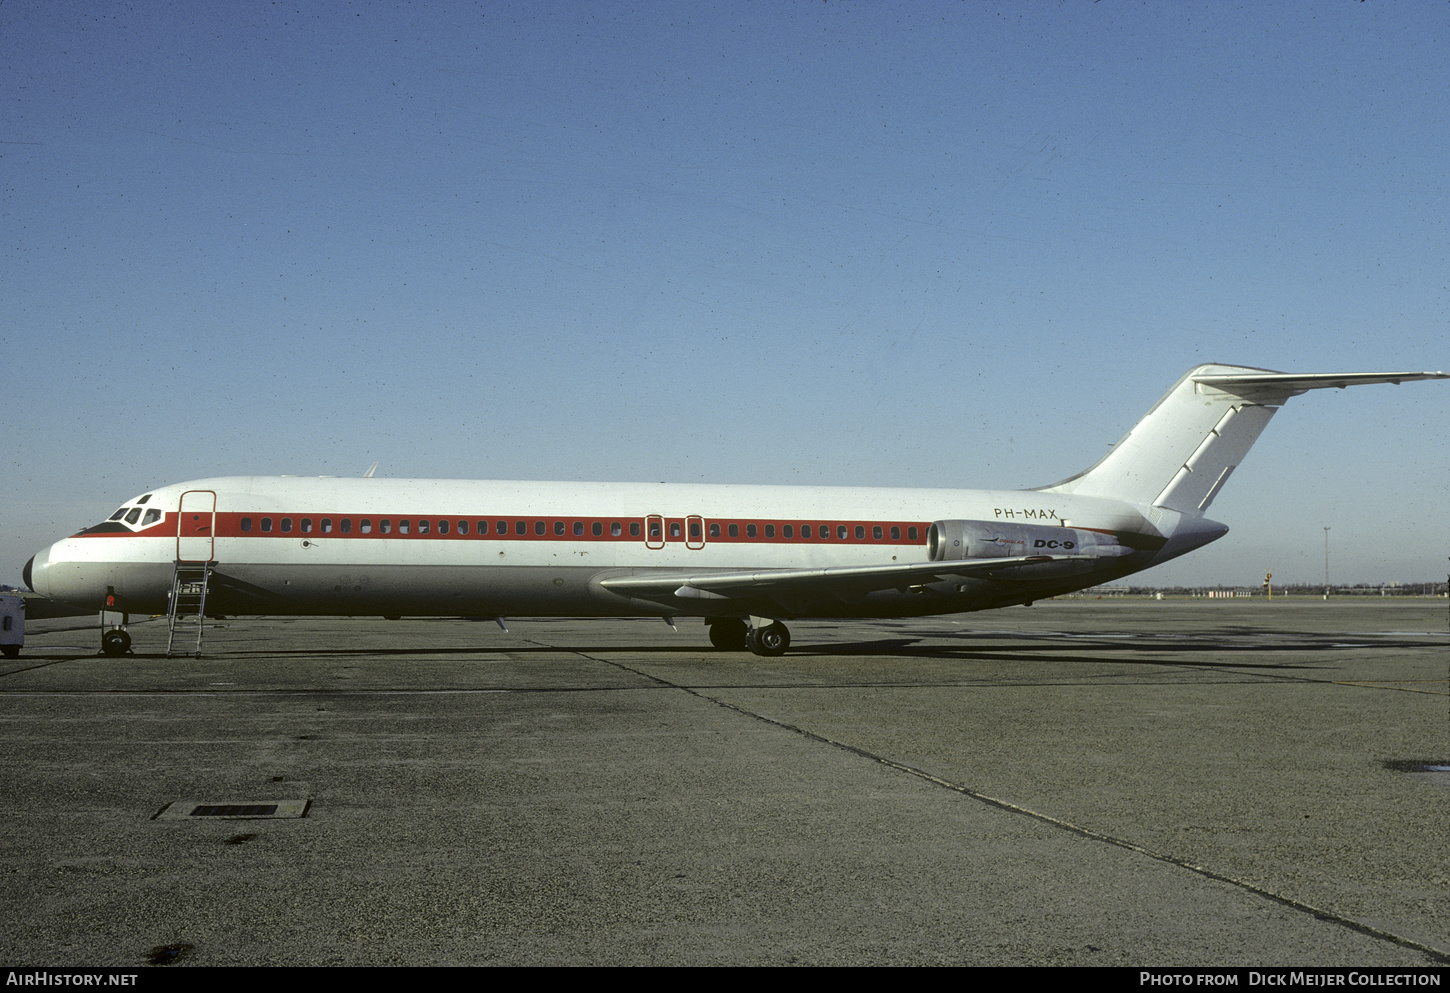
(189, 581)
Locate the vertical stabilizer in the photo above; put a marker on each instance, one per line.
(1182, 452)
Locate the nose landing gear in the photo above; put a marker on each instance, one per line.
(115, 642)
(115, 639)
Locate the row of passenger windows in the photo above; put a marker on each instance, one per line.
(657, 528)
(364, 526)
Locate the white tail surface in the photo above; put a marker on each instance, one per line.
(1182, 452)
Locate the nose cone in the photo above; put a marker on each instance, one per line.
(34, 573)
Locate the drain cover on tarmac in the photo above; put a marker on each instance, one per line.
(185, 810)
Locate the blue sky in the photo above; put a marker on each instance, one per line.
(935, 244)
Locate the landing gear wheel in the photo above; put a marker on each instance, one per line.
(728, 633)
(115, 642)
(10, 651)
(769, 641)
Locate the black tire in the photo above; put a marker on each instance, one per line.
(116, 642)
(728, 633)
(10, 651)
(770, 641)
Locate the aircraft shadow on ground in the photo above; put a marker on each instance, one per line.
(996, 646)
(1180, 653)
(906, 648)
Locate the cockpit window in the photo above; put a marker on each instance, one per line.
(134, 515)
(143, 499)
(117, 515)
(152, 516)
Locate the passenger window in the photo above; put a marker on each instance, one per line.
(443, 527)
(405, 527)
(347, 525)
(896, 534)
(750, 530)
(384, 526)
(674, 529)
(714, 530)
(365, 526)
(734, 530)
(246, 524)
(422, 527)
(327, 525)
(787, 531)
(521, 528)
(911, 533)
(860, 532)
(558, 527)
(841, 532)
(598, 529)
(539, 528)
(770, 530)
(306, 525)
(286, 525)
(654, 530)
(876, 532)
(578, 527)
(266, 525)
(634, 529)
(616, 529)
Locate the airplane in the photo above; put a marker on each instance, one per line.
(744, 558)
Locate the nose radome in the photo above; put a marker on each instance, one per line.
(34, 572)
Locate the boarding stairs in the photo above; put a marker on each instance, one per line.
(186, 609)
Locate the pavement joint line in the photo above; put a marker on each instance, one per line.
(41, 665)
(1391, 684)
(1062, 825)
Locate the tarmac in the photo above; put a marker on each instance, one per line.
(1117, 782)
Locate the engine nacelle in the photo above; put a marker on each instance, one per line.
(950, 541)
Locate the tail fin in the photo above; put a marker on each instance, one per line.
(1181, 453)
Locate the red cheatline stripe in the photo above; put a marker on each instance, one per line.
(675, 529)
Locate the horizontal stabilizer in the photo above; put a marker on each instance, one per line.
(1265, 387)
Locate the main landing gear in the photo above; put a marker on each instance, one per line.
(762, 635)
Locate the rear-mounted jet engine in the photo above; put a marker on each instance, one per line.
(951, 541)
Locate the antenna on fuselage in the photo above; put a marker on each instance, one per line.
(371, 469)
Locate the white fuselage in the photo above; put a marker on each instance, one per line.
(341, 546)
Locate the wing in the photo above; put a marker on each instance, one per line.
(791, 587)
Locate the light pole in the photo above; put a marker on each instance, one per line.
(1326, 563)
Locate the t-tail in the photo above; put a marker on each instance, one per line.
(1182, 452)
